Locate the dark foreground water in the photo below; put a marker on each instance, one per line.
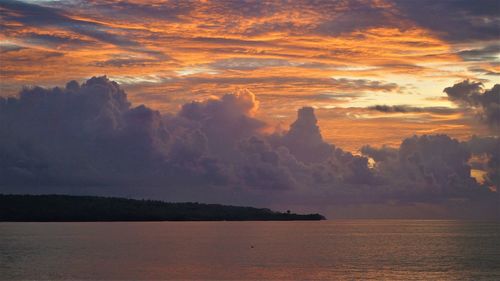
(324, 250)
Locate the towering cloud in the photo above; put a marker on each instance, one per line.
(304, 138)
(472, 94)
(90, 135)
(436, 165)
(225, 121)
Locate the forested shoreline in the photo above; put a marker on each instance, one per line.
(61, 208)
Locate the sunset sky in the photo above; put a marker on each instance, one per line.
(340, 57)
(261, 102)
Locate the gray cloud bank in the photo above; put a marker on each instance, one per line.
(88, 138)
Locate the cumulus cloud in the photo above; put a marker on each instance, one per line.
(304, 138)
(70, 132)
(260, 166)
(429, 168)
(89, 135)
(473, 95)
(225, 121)
(379, 154)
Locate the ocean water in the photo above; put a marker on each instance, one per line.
(302, 250)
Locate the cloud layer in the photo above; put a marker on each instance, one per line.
(90, 136)
(323, 54)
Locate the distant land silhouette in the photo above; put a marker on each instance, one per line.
(61, 208)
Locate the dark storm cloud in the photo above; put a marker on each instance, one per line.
(455, 20)
(465, 92)
(433, 167)
(304, 138)
(472, 94)
(225, 121)
(260, 166)
(89, 135)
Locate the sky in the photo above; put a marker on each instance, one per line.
(366, 75)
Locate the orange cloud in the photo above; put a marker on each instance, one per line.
(327, 54)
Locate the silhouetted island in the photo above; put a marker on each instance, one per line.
(60, 208)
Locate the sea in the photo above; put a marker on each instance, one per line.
(288, 250)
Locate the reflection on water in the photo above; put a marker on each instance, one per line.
(354, 249)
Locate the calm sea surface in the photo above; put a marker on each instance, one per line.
(325, 250)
